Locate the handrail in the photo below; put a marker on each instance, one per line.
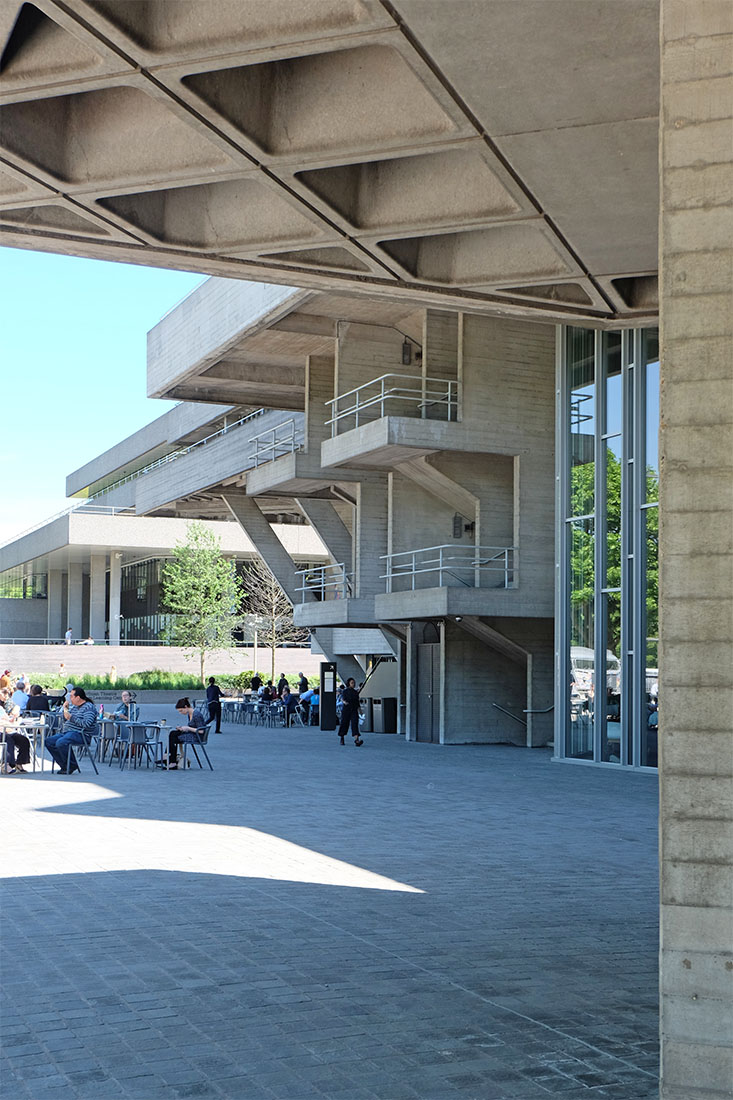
(319, 584)
(505, 711)
(172, 455)
(445, 393)
(86, 506)
(273, 446)
(444, 563)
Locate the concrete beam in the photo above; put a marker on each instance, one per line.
(250, 517)
(331, 529)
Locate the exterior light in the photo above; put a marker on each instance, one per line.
(406, 353)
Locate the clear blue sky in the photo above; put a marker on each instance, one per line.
(72, 353)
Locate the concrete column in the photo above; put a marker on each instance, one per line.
(252, 520)
(319, 382)
(75, 590)
(97, 586)
(329, 526)
(55, 626)
(696, 551)
(115, 592)
(371, 535)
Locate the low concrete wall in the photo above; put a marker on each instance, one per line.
(99, 660)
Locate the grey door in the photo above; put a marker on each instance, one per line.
(428, 692)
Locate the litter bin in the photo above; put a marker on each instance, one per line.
(368, 712)
(389, 714)
(385, 715)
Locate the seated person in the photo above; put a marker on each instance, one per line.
(195, 721)
(126, 711)
(20, 695)
(268, 692)
(80, 717)
(14, 740)
(37, 700)
(305, 701)
(289, 702)
(315, 705)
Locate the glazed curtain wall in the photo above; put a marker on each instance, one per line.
(607, 508)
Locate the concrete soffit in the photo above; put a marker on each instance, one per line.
(143, 133)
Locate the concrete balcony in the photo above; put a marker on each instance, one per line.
(328, 600)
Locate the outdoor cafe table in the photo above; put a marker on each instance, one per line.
(34, 729)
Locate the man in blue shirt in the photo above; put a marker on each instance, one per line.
(80, 715)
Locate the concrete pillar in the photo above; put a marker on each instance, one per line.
(372, 515)
(319, 381)
(55, 626)
(696, 551)
(97, 594)
(75, 590)
(115, 591)
(253, 522)
(329, 526)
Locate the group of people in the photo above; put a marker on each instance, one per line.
(307, 698)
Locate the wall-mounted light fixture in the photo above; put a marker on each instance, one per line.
(406, 353)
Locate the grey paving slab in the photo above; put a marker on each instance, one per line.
(397, 921)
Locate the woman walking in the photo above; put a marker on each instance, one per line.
(350, 712)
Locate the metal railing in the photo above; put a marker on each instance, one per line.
(86, 508)
(413, 390)
(177, 454)
(283, 439)
(470, 566)
(325, 582)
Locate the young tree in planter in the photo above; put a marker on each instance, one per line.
(270, 608)
(201, 590)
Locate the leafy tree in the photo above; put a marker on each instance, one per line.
(202, 592)
(270, 609)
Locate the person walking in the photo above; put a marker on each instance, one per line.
(350, 712)
(213, 698)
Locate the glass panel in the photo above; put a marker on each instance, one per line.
(612, 349)
(581, 343)
(582, 686)
(652, 432)
(613, 513)
(611, 747)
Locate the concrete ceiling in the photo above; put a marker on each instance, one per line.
(482, 154)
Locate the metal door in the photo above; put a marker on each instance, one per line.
(428, 692)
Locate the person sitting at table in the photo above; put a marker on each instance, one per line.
(37, 700)
(14, 740)
(268, 692)
(20, 695)
(126, 711)
(289, 702)
(196, 721)
(80, 717)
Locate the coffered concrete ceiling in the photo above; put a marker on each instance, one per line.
(485, 154)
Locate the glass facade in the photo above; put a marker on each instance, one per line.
(608, 482)
(16, 584)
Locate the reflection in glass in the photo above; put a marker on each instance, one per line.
(650, 702)
(581, 343)
(613, 513)
(652, 432)
(611, 746)
(612, 347)
(582, 679)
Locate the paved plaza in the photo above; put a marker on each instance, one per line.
(391, 922)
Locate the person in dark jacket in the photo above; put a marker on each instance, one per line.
(37, 700)
(350, 712)
(213, 697)
(302, 683)
(281, 685)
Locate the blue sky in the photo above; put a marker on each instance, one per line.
(72, 352)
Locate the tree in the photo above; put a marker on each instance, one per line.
(270, 608)
(202, 592)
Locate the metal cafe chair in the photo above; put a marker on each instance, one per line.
(197, 739)
(86, 748)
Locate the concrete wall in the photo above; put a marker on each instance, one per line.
(206, 322)
(23, 618)
(126, 659)
(696, 552)
(476, 677)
